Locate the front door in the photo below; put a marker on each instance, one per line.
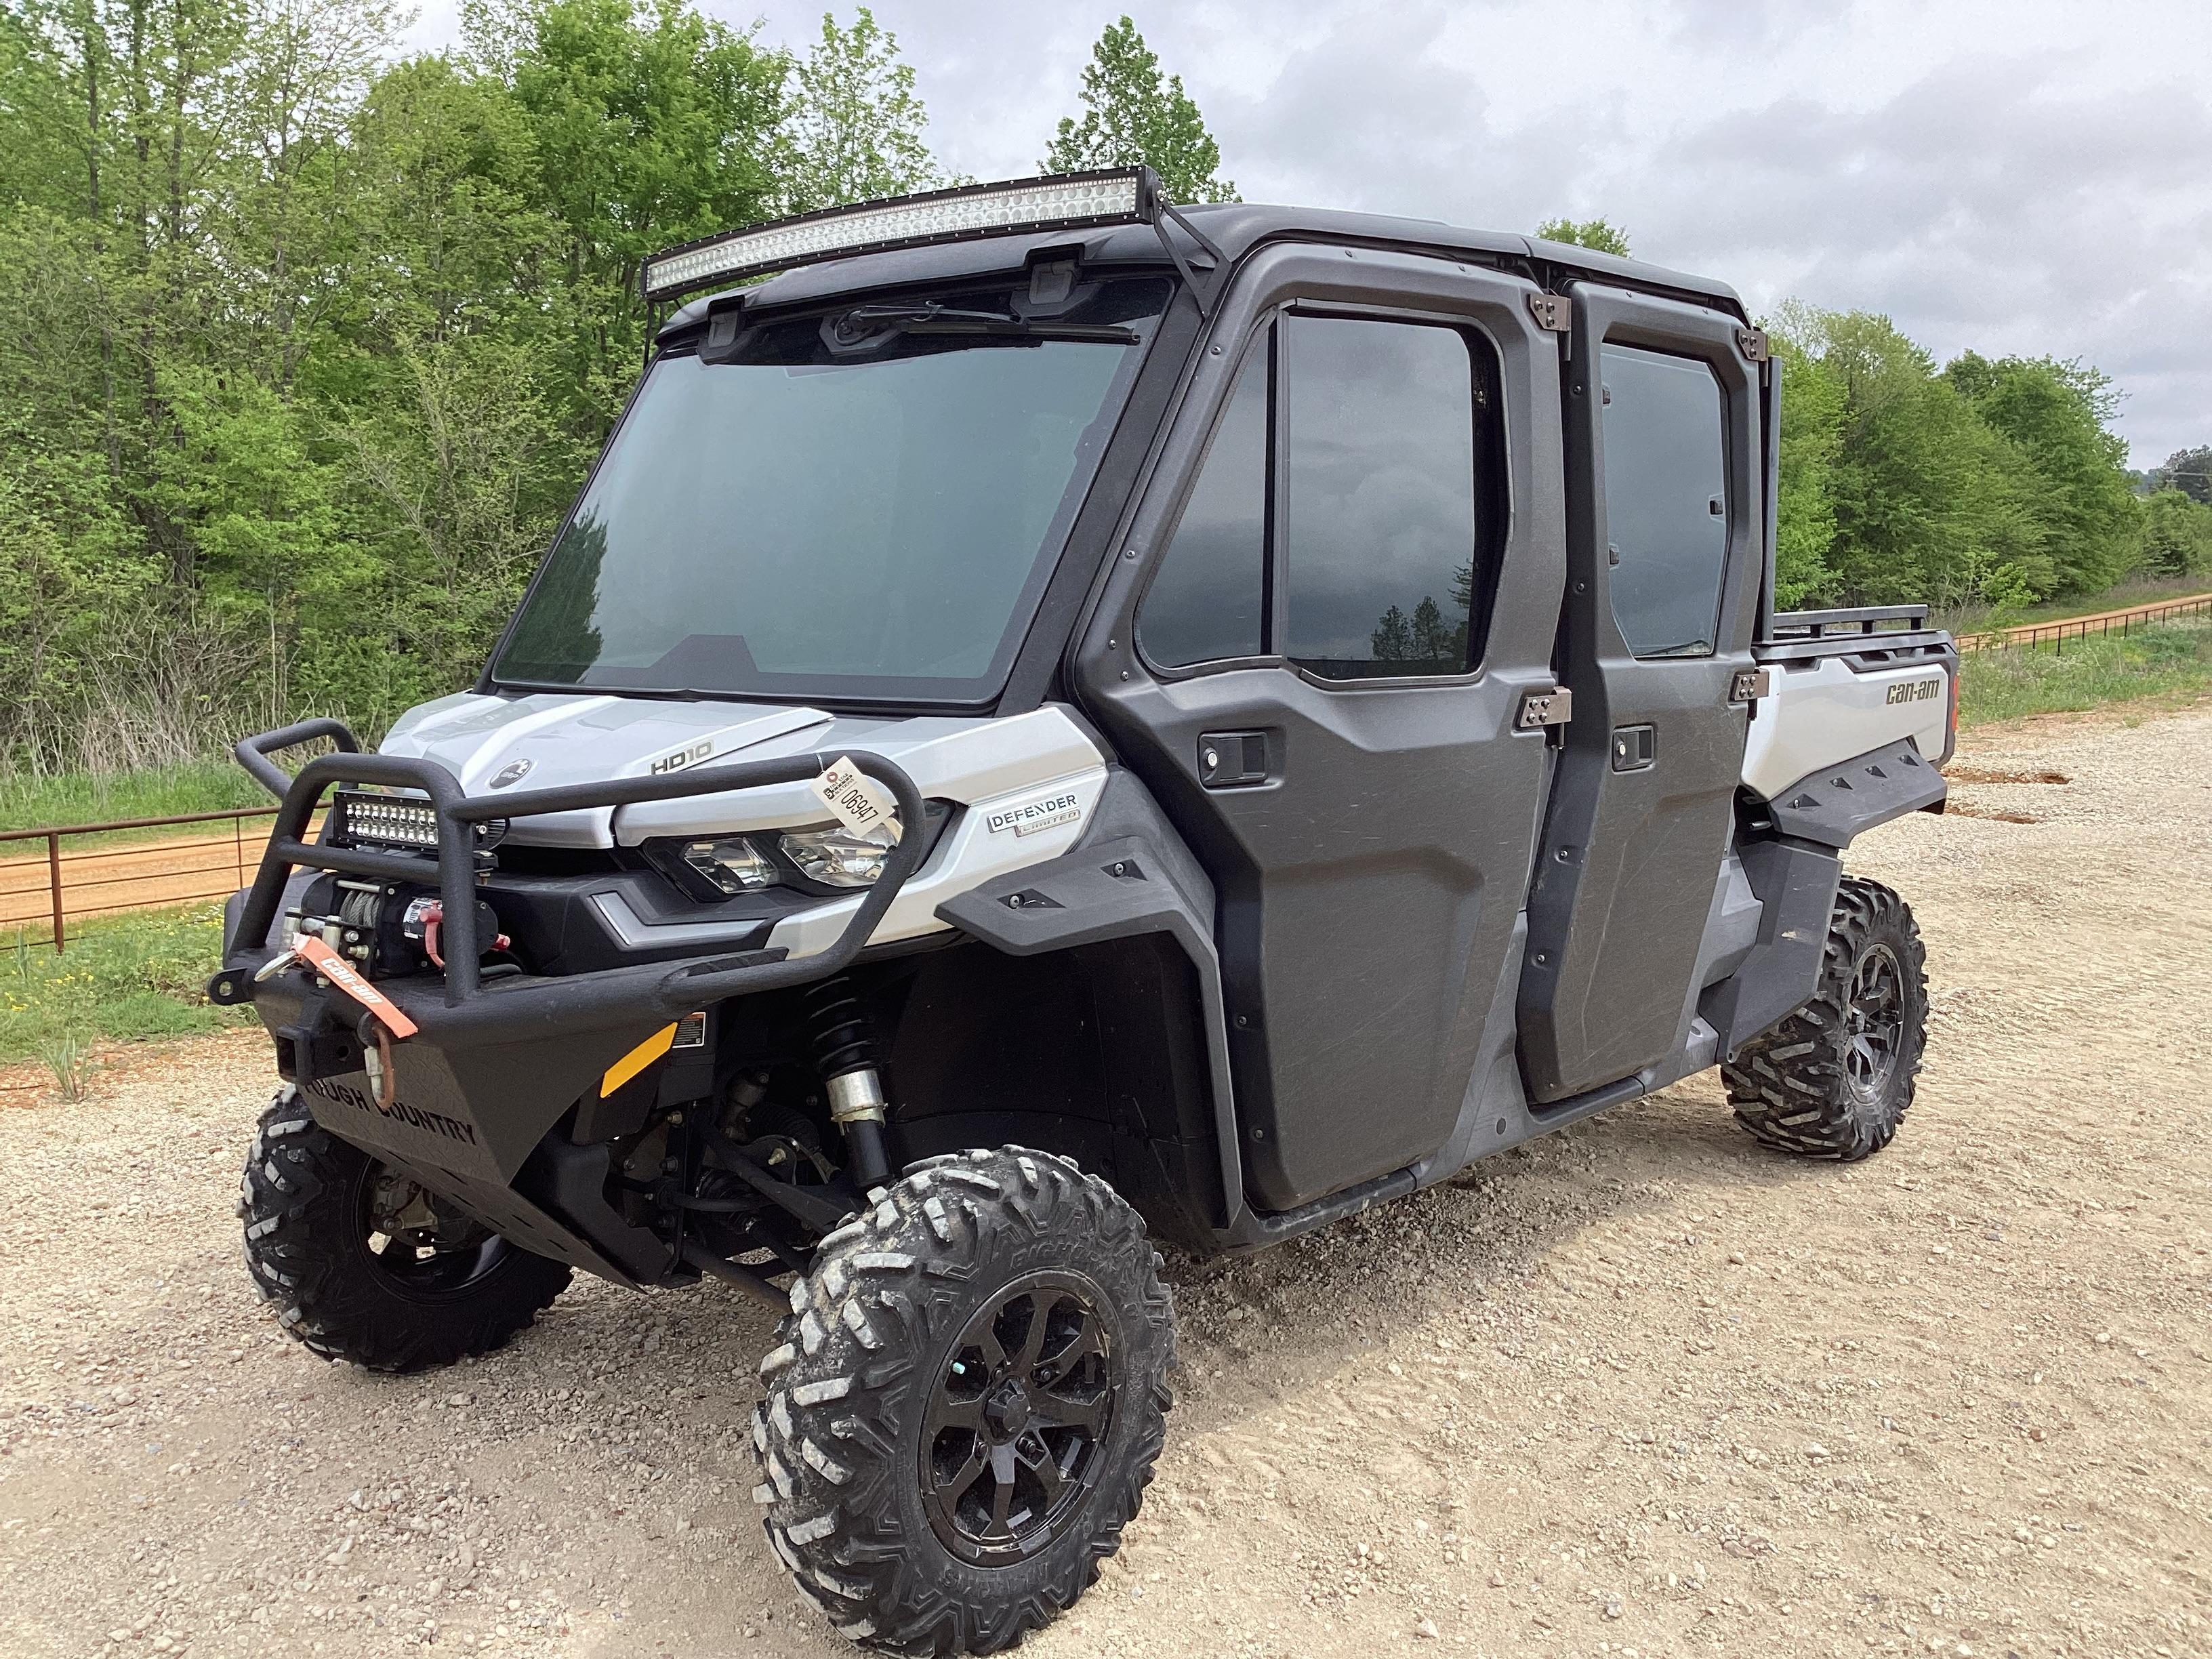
(1665, 511)
(1347, 577)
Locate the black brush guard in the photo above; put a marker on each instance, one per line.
(657, 990)
(486, 1129)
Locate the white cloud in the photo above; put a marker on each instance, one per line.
(2030, 177)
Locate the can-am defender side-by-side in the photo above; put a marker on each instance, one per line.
(1236, 712)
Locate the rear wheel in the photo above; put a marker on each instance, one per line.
(1836, 1078)
(966, 1403)
(365, 1265)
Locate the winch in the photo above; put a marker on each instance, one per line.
(386, 928)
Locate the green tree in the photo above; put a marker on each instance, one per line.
(1930, 502)
(651, 125)
(2176, 535)
(1599, 235)
(855, 127)
(1131, 114)
(2190, 471)
(1812, 399)
(2055, 414)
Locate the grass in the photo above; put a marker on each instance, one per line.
(2168, 662)
(204, 785)
(1976, 619)
(123, 979)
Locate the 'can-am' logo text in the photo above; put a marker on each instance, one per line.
(1916, 692)
(436, 1123)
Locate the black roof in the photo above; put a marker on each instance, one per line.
(1236, 227)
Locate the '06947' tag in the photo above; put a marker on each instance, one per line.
(859, 802)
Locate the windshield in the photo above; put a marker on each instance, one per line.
(856, 505)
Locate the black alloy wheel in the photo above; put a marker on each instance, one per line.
(426, 1249)
(363, 1264)
(963, 1410)
(1013, 1438)
(1874, 1023)
(1835, 1079)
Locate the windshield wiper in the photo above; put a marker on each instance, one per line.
(930, 319)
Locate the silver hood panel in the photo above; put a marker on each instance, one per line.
(571, 740)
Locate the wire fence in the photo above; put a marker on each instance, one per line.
(54, 885)
(60, 882)
(2056, 634)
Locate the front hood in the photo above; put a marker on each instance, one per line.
(549, 739)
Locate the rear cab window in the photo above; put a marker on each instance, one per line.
(1666, 495)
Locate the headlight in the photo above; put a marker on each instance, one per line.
(732, 866)
(837, 858)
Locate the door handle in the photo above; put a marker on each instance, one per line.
(1635, 747)
(1232, 760)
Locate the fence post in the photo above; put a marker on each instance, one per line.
(54, 879)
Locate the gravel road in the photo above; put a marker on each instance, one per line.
(1644, 1388)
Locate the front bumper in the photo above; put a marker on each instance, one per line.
(474, 1094)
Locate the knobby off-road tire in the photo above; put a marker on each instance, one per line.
(994, 1323)
(1835, 1079)
(306, 1200)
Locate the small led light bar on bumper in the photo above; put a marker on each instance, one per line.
(1069, 200)
(409, 822)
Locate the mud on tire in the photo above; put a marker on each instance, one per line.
(304, 1198)
(1835, 1079)
(996, 1321)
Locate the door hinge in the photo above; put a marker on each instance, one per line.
(1750, 685)
(1554, 311)
(1752, 342)
(1542, 708)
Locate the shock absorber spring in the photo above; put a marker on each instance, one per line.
(845, 1053)
(844, 1040)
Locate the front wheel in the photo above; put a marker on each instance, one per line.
(966, 1403)
(1835, 1079)
(364, 1265)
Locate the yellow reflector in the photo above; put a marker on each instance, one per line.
(636, 1060)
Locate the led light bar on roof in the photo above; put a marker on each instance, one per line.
(1124, 196)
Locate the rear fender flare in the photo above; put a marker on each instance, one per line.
(1837, 803)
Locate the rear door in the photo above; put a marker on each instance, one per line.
(1665, 517)
(1341, 581)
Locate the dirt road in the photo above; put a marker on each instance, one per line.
(2148, 609)
(113, 876)
(1646, 1389)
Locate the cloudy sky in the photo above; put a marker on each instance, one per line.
(2034, 176)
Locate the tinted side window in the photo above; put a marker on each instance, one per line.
(1206, 603)
(1377, 497)
(1666, 490)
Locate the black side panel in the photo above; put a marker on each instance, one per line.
(1643, 808)
(1131, 875)
(1838, 802)
(1797, 889)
